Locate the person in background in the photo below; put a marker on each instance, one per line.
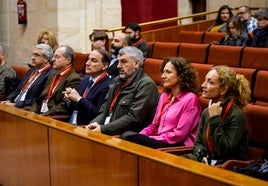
(178, 111)
(250, 23)
(85, 103)
(51, 100)
(260, 35)
(99, 39)
(133, 30)
(131, 100)
(235, 34)
(32, 84)
(119, 41)
(224, 14)
(5, 71)
(47, 37)
(222, 133)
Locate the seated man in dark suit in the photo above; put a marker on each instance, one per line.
(34, 80)
(51, 101)
(85, 103)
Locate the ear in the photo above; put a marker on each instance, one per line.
(137, 63)
(223, 90)
(105, 66)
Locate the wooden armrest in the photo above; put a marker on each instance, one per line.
(233, 164)
(179, 150)
(63, 117)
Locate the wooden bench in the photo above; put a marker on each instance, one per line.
(36, 150)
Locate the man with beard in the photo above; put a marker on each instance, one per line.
(119, 41)
(244, 14)
(131, 99)
(133, 30)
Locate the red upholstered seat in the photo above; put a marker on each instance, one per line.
(195, 53)
(224, 55)
(163, 50)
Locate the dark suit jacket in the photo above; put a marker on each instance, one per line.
(34, 91)
(113, 70)
(89, 107)
(56, 103)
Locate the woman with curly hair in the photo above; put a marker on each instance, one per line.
(222, 133)
(178, 111)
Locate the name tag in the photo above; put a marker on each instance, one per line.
(44, 107)
(213, 162)
(107, 119)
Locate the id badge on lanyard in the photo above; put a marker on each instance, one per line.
(44, 107)
(108, 118)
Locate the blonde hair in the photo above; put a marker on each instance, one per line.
(238, 86)
(52, 40)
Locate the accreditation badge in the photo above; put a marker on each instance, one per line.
(44, 107)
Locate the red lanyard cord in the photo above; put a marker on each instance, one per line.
(209, 141)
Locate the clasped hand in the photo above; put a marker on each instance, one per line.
(70, 94)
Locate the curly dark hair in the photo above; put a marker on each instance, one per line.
(186, 72)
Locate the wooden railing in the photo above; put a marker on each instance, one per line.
(169, 20)
(36, 150)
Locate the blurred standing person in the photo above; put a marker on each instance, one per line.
(5, 70)
(133, 30)
(220, 24)
(176, 118)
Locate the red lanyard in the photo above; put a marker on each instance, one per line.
(34, 75)
(210, 143)
(117, 93)
(56, 80)
(100, 78)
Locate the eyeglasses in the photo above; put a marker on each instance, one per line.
(241, 13)
(36, 55)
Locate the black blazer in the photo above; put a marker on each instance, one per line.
(89, 107)
(34, 91)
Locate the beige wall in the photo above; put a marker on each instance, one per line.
(72, 21)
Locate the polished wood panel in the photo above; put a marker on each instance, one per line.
(188, 173)
(37, 150)
(23, 152)
(78, 161)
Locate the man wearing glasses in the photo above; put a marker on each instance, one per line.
(244, 13)
(34, 80)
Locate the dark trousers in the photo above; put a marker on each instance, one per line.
(144, 140)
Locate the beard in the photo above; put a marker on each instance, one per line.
(115, 50)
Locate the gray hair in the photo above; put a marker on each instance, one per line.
(134, 53)
(46, 50)
(262, 13)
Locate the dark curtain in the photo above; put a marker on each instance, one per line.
(140, 11)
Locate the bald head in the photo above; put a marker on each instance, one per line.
(120, 40)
